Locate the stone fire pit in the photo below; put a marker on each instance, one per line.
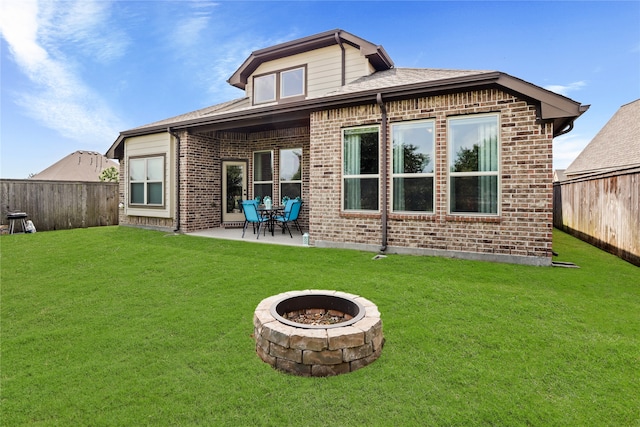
(348, 335)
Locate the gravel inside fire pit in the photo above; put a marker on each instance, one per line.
(317, 316)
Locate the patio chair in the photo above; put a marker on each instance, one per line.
(290, 216)
(251, 216)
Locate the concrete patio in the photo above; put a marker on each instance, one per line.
(236, 234)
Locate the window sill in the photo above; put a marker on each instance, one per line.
(360, 214)
(462, 218)
(413, 216)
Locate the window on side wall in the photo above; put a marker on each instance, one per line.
(291, 173)
(413, 166)
(360, 154)
(263, 174)
(474, 147)
(146, 181)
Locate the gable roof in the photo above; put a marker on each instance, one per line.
(77, 166)
(389, 83)
(615, 147)
(376, 55)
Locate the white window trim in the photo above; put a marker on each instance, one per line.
(280, 180)
(253, 172)
(496, 173)
(370, 176)
(414, 175)
(145, 182)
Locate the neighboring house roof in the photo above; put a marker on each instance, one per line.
(559, 175)
(389, 83)
(615, 147)
(77, 166)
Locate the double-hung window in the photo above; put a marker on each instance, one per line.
(291, 173)
(360, 154)
(474, 147)
(263, 174)
(279, 85)
(146, 181)
(413, 166)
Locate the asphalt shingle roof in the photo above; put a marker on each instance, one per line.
(394, 77)
(615, 147)
(77, 166)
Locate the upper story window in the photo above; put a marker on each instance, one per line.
(146, 181)
(279, 85)
(264, 88)
(413, 166)
(361, 165)
(474, 159)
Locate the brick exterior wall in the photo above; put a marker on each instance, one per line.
(524, 226)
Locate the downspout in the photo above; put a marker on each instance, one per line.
(385, 185)
(344, 60)
(177, 137)
(566, 130)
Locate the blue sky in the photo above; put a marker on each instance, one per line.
(76, 73)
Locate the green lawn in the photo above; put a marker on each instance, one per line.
(127, 327)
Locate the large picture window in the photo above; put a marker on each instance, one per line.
(263, 174)
(413, 166)
(146, 181)
(474, 148)
(361, 165)
(291, 173)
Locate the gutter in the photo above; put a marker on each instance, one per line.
(569, 108)
(385, 185)
(177, 137)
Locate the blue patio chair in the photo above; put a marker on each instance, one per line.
(290, 216)
(251, 216)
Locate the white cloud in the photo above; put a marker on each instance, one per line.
(566, 148)
(566, 89)
(37, 34)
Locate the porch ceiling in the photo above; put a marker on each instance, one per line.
(257, 124)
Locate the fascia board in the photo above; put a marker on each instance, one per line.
(552, 105)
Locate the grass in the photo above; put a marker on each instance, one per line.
(116, 326)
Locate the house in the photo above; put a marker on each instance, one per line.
(85, 166)
(420, 161)
(599, 202)
(615, 148)
(559, 175)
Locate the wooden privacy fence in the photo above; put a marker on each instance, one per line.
(603, 211)
(59, 205)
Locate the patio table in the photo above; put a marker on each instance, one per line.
(271, 212)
